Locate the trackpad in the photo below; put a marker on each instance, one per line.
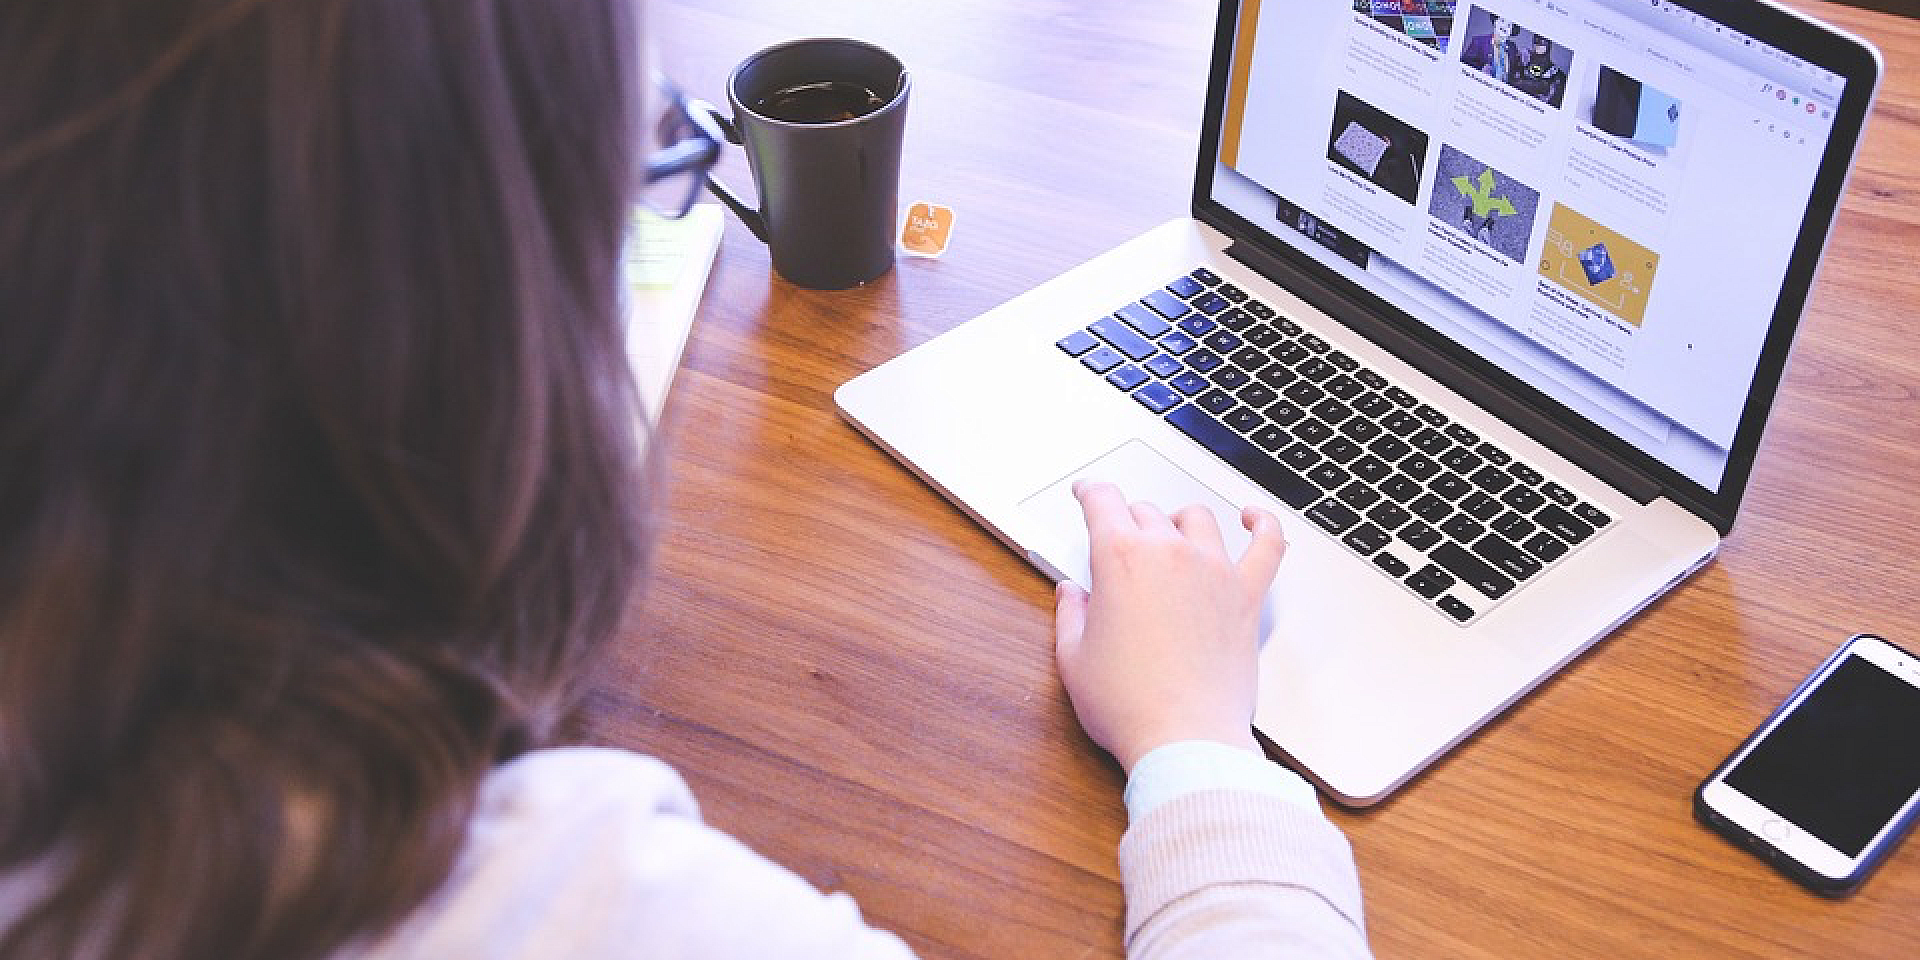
(1142, 474)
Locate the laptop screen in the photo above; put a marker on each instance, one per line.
(1617, 203)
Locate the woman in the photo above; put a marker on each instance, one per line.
(319, 501)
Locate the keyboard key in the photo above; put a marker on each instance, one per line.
(1261, 310)
(1525, 474)
(1329, 476)
(1462, 528)
(1334, 516)
(1229, 378)
(1277, 375)
(1198, 325)
(1343, 386)
(1261, 335)
(1400, 423)
(1417, 466)
(1372, 403)
(1316, 369)
(1186, 286)
(1242, 419)
(1460, 562)
(1360, 496)
(1460, 434)
(1314, 343)
(1371, 468)
(1284, 412)
(1400, 396)
(1163, 365)
(1430, 441)
(1340, 450)
(1430, 508)
(1514, 526)
(1249, 359)
(1204, 275)
(1291, 488)
(1389, 448)
(1312, 431)
(1210, 303)
(1366, 539)
(1157, 397)
(1123, 338)
(1270, 438)
(1101, 359)
(1559, 494)
(1374, 381)
(1492, 479)
(1507, 558)
(1304, 393)
(1418, 535)
(1430, 581)
(1591, 514)
(1430, 414)
(1343, 362)
(1128, 377)
(1232, 293)
(1235, 319)
(1564, 525)
(1222, 341)
(1400, 487)
(1388, 515)
(1452, 606)
(1190, 383)
(1332, 411)
(1391, 564)
(1167, 305)
(1146, 322)
(1461, 460)
(1523, 499)
(1177, 342)
(1493, 454)
(1216, 401)
(1077, 343)
(1202, 360)
(1545, 546)
(1449, 485)
(1480, 506)
(1300, 456)
(1360, 429)
(1256, 395)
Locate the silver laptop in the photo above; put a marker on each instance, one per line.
(1489, 302)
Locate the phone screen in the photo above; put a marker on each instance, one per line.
(1843, 762)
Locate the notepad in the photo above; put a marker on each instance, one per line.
(665, 265)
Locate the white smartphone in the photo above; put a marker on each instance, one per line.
(1831, 782)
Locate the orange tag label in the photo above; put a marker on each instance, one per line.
(928, 228)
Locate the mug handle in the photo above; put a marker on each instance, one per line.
(748, 215)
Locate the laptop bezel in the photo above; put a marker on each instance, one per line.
(1575, 437)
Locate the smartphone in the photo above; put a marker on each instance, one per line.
(1831, 782)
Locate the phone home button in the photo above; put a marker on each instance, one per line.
(1776, 829)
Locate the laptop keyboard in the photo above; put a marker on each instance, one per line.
(1454, 518)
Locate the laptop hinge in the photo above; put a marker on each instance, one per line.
(1608, 468)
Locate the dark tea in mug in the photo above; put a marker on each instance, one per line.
(821, 101)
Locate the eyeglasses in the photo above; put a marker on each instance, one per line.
(684, 143)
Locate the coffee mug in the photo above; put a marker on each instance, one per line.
(822, 122)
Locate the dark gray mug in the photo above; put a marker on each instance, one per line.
(822, 122)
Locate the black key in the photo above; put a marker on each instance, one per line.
(1284, 412)
(1400, 396)
(1101, 359)
(1591, 514)
(1460, 434)
(1418, 535)
(1167, 305)
(1077, 343)
(1262, 336)
(1559, 494)
(1203, 360)
(1163, 365)
(1360, 429)
(1372, 403)
(1270, 437)
(1343, 386)
(1430, 441)
(1366, 539)
(1494, 454)
(1198, 325)
(1400, 487)
(1452, 606)
(1545, 546)
(1277, 375)
(1242, 419)
(1514, 526)
(1304, 393)
(1371, 379)
(1525, 474)
(1492, 479)
(1189, 383)
(1360, 496)
(1389, 447)
(1340, 449)
(1314, 343)
(1461, 460)
(1449, 485)
(1480, 506)
(1345, 363)
(1316, 369)
(1329, 476)
(1401, 423)
(1389, 515)
(1462, 528)
(1157, 397)
(1210, 303)
(1230, 378)
(1148, 323)
(1391, 564)
(1216, 401)
(1312, 431)
(1564, 525)
(1123, 338)
(1507, 558)
(1300, 456)
(1128, 377)
(1371, 468)
(1333, 515)
(1461, 562)
(1332, 411)
(1430, 508)
(1204, 275)
(1290, 353)
(1232, 293)
(1222, 341)
(1523, 499)
(1430, 414)
(1430, 581)
(1256, 395)
(1261, 310)
(1177, 342)
(1186, 286)
(1249, 359)
(1238, 452)
(1236, 318)
(1417, 466)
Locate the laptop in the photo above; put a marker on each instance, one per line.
(1497, 347)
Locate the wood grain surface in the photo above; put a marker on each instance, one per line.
(858, 681)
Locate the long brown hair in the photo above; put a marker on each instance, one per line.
(317, 467)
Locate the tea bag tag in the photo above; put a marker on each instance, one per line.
(926, 230)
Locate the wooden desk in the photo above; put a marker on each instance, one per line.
(858, 681)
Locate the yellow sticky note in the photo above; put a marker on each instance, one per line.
(928, 228)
